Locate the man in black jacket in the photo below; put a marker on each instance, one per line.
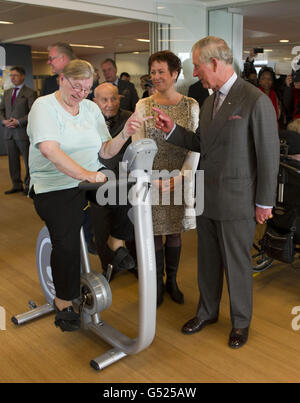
(60, 54)
(127, 91)
(197, 92)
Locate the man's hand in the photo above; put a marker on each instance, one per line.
(252, 55)
(263, 214)
(12, 123)
(163, 121)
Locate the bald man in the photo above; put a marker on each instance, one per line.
(108, 100)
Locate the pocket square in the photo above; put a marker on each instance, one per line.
(235, 117)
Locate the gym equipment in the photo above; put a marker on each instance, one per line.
(280, 229)
(95, 290)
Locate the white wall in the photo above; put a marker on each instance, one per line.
(135, 65)
(189, 24)
(229, 26)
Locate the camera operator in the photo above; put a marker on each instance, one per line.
(291, 96)
(249, 73)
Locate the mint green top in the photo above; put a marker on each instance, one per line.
(80, 137)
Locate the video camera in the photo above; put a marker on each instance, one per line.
(296, 69)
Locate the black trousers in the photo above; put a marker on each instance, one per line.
(63, 214)
(107, 221)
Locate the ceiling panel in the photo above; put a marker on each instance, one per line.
(264, 25)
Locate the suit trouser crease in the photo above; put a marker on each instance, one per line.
(14, 149)
(225, 244)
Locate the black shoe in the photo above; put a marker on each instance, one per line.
(196, 325)
(123, 260)
(67, 319)
(13, 190)
(173, 290)
(238, 337)
(25, 192)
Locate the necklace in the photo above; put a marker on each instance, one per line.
(73, 110)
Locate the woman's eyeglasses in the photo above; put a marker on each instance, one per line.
(79, 89)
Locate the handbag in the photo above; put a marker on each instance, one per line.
(278, 239)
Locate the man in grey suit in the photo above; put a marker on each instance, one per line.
(239, 144)
(127, 91)
(14, 109)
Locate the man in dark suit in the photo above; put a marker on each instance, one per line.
(238, 140)
(127, 91)
(108, 100)
(14, 109)
(197, 92)
(59, 56)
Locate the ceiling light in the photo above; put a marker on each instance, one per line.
(86, 46)
(268, 50)
(136, 53)
(284, 40)
(39, 52)
(143, 40)
(6, 22)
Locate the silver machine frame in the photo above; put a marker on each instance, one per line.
(139, 158)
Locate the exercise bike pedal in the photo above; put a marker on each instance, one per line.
(32, 304)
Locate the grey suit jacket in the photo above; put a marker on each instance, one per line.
(19, 111)
(239, 152)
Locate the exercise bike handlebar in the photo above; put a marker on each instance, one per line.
(115, 183)
(86, 185)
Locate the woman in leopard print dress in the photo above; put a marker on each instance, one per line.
(169, 219)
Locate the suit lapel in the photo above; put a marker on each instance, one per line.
(213, 127)
(8, 107)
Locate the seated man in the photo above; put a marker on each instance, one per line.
(108, 100)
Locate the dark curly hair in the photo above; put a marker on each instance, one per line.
(173, 61)
(267, 70)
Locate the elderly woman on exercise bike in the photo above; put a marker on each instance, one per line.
(67, 135)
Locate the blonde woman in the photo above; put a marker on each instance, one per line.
(67, 135)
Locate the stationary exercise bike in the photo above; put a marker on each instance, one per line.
(96, 294)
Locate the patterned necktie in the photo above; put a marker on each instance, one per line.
(109, 123)
(216, 104)
(14, 96)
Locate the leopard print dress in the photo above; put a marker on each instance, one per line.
(167, 216)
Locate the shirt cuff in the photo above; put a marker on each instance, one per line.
(259, 205)
(170, 133)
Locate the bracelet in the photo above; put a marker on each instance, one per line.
(123, 136)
